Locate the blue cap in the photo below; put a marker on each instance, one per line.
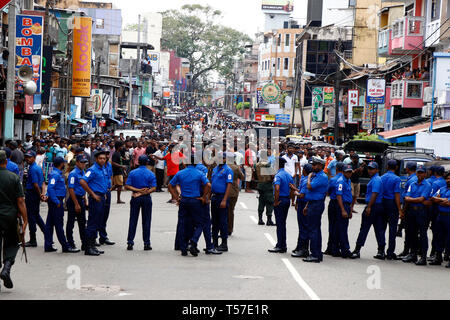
(340, 166)
(392, 163)
(30, 153)
(79, 149)
(8, 152)
(143, 160)
(308, 168)
(440, 170)
(82, 158)
(57, 161)
(347, 168)
(421, 168)
(432, 169)
(373, 165)
(411, 165)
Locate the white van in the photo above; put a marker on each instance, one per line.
(129, 133)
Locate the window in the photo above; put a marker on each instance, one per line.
(322, 58)
(279, 64)
(100, 23)
(287, 41)
(286, 63)
(414, 91)
(279, 40)
(435, 9)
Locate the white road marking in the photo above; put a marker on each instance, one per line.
(243, 205)
(300, 280)
(254, 219)
(248, 277)
(270, 238)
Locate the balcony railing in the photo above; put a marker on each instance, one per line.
(409, 25)
(383, 38)
(408, 93)
(432, 33)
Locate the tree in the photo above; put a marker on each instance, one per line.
(132, 27)
(193, 33)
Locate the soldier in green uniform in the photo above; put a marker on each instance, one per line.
(12, 205)
(265, 190)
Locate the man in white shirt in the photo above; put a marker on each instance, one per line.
(159, 168)
(292, 164)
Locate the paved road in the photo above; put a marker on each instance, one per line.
(247, 271)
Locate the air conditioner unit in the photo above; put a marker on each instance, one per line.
(426, 110)
(428, 95)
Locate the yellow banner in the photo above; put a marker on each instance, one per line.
(81, 67)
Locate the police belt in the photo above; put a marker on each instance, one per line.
(285, 197)
(417, 207)
(314, 201)
(218, 194)
(100, 194)
(442, 213)
(348, 203)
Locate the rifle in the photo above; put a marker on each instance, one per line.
(22, 237)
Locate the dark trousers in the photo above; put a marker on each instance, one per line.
(219, 218)
(333, 211)
(342, 229)
(188, 211)
(375, 219)
(143, 203)
(33, 202)
(9, 239)
(314, 215)
(433, 214)
(102, 231)
(265, 199)
(96, 212)
(202, 224)
(159, 178)
(231, 205)
(55, 220)
(417, 229)
(442, 232)
(281, 212)
(390, 218)
(302, 221)
(73, 216)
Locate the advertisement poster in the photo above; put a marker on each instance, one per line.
(317, 105)
(328, 96)
(81, 67)
(381, 121)
(278, 5)
(358, 113)
(271, 93)
(97, 99)
(353, 100)
(376, 91)
(29, 45)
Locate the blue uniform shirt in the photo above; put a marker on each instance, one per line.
(202, 168)
(97, 179)
(283, 179)
(190, 181)
(319, 184)
(221, 176)
(443, 193)
(438, 184)
(141, 178)
(303, 185)
(56, 186)
(375, 185)
(35, 175)
(344, 189)
(431, 180)
(74, 181)
(12, 166)
(392, 184)
(332, 167)
(109, 171)
(417, 190)
(332, 185)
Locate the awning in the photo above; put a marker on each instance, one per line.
(82, 121)
(114, 120)
(156, 111)
(409, 131)
(355, 76)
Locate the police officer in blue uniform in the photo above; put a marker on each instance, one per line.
(102, 232)
(317, 187)
(56, 192)
(33, 194)
(190, 201)
(373, 214)
(142, 182)
(345, 202)
(302, 248)
(282, 194)
(221, 183)
(436, 184)
(418, 192)
(392, 205)
(10, 165)
(442, 227)
(95, 183)
(333, 211)
(410, 169)
(76, 203)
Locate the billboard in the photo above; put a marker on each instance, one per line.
(317, 105)
(81, 67)
(29, 45)
(154, 58)
(278, 5)
(376, 91)
(353, 100)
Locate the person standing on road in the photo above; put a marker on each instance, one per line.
(317, 186)
(33, 197)
(332, 165)
(373, 214)
(292, 164)
(159, 168)
(418, 192)
(103, 234)
(358, 167)
(433, 212)
(391, 205)
(17, 157)
(265, 190)
(234, 193)
(142, 182)
(282, 194)
(11, 166)
(56, 192)
(248, 167)
(95, 183)
(12, 207)
(76, 204)
(118, 170)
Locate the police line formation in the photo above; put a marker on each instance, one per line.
(203, 207)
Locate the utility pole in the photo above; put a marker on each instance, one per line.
(138, 64)
(130, 93)
(8, 127)
(337, 90)
(46, 20)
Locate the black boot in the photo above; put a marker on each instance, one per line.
(223, 246)
(32, 243)
(380, 255)
(5, 275)
(422, 261)
(446, 257)
(215, 242)
(192, 248)
(327, 252)
(356, 253)
(270, 222)
(437, 259)
(260, 221)
(90, 248)
(404, 254)
(410, 258)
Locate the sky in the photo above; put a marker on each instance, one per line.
(243, 15)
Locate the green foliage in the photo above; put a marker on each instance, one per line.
(132, 27)
(366, 137)
(239, 106)
(247, 105)
(282, 100)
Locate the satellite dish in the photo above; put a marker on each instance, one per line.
(29, 88)
(25, 73)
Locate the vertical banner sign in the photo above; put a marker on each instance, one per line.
(46, 73)
(81, 67)
(328, 96)
(381, 121)
(29, 45)
(376, 91)
(353, 100)
(259, 98)
(317, 104)
(97, 102)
